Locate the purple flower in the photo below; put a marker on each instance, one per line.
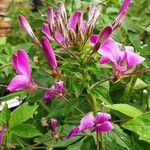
(73, 132)
(26, 27)
(49, 53)
(100, 124)
(2, 132)
(86, 122)
(53, 124)
(54, 90)
(23, 80)
(103, 127)
(122, 60)
(49, 94)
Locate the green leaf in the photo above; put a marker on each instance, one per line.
(26, 131)
(117, 139)
(125, 109)
(141, 126)
(88, 143)
(140, 84)
(4, 115)
(21, 114)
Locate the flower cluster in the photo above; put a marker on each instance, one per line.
(98, 124)
(74, 31)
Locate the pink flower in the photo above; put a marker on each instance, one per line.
(49, 53)
(26, 27)
(100, 124)
(23, 80)
(54, 90)
(122, 60)
(2, 132)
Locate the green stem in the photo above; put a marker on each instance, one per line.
(44, 106)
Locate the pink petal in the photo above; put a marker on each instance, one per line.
(50, 16)
(73, 132)
(15, 63)
(19, 82)
(124, 6)
(86, 122)
(49, 94)
(133, 59)
(93, 39)
(83, 26)
(103, 60)
(104, 34)
(2, 132)
(104, 127)
(23, 62)
(102, 117)
(75, 18)
(46, 31)
(110, 50)
(49, 52)
(59, 87)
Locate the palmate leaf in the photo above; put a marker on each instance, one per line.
(21, 114)
(141, 126)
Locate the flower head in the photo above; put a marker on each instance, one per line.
(100, 124)
(122, 59)
(2, 132)
(23, 80)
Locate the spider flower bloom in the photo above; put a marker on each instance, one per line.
(2, 132)
(122, 60)
(26, 27)
(53, 124)
(100, 124)
(49, 53)
(54, 90)
(23, 79)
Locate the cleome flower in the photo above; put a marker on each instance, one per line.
(23, 79)
(123, 59)
(99, 124)
(54, 90)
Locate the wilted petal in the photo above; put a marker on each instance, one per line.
(2, 133)
(93, 39)
(63, 12)
(104, 34)
(124, 6)
(46, 31)
(102, 117)
(73, 132)
(49, 94)
(91, 12)
(49, 53)
(86, 122)
(75, 18)
(83, 26)
(104, 127)
(18, 82)
(132, 58)
(59, 87)
(111, 50)
(53, 124)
